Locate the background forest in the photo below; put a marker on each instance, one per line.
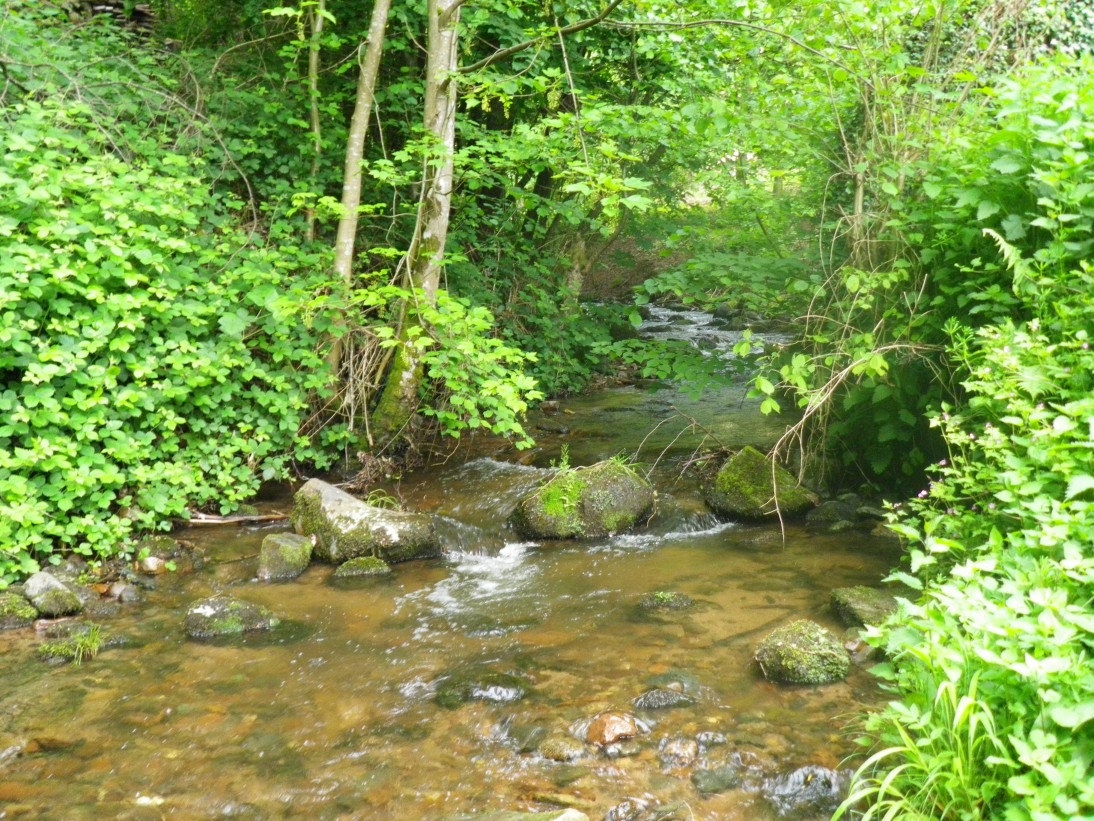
(242, 241)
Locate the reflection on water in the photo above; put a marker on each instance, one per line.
(338, 716)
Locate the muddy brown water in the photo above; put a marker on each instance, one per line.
(333, 715)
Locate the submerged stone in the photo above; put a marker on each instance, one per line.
(608, 497)
(662, 699)
(610, 727)
(802, 652)
(479, 685)
(283, 556)
(716, 780)
(744, 489)
(506, 815)
(15, 612)
(346, 527)
(225, 617)
(563, 748)
(665, 600)
(831, 514)
(858, 606)
(808, 790)
(51, 597)
(361, 567)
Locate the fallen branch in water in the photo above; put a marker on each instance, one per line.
(209, 519)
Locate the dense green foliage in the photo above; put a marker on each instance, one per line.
(994, 662)
(910, 180)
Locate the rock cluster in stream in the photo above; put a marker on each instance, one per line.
(707, 758)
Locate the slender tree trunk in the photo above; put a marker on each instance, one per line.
(318, 18)
(399, 400)
(355, 152)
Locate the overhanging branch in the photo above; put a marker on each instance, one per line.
(573, 28)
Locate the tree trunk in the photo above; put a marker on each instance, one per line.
(318, 18)
(355, 152)
(399, 400)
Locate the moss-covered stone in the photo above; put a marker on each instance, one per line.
(346, 527)
(744, 489)
(362, 566)
(15, 612)
(858, 606)
(50, 597)
(608, 497)
(225, 617)
(802, 652)
(283, 556)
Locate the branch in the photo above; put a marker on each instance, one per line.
(573, 28)
(741, 24)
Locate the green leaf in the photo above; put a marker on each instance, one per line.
(1079, 484)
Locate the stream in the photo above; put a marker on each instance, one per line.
(334, 714)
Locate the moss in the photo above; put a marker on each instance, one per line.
(59, 603)
(802, 652)
(858, 606)
(604, 498)
(744, 488)
(15, 611)
(665, 600)
(478, 685)
(362, 566)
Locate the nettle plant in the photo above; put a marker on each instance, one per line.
(993, 664)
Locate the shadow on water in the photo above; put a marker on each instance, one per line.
(425, 694)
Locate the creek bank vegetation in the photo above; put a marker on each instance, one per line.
(244, 243)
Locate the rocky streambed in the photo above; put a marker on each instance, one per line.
(610, 676)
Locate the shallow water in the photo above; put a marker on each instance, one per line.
(333, 715)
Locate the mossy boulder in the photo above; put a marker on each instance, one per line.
(858, 606)
(346, 527)
(283, 556)
(608, 497)
(361, 567)
(51, 597)
(15, 612)
(749, 486)
(802, 652)
(225, 617)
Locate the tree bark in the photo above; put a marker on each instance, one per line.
(318, 18)
(424, 258)
(355, 151)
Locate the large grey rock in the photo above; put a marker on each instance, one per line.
(608, 497)
(15, 612)
(345, 527)
(858, 606)
(745, 488)
(50, 597)
(802, 652)
(283, 556)
(225, 617)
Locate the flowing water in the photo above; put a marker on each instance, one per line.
(334, 716)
